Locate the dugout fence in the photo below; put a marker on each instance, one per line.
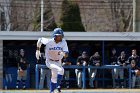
(38, 66)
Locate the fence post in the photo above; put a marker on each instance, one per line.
(36, 76)
(129, 68)
(84, 77)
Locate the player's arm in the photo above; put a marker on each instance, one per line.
(66, 54)
(39, 43)
(19, 67)
(78, 61)
(65, 51)
(63, 54)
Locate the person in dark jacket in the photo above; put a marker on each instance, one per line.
(122, 60)
(22, 69)
(113, 61)
(95, 60)
(81, 61)
(135, 72)
(135, 57)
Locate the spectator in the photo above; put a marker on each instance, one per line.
(6, 65)
(73, 54)
(120, 72)
(95, 60)
(135, 72)
(81, 61)
(10, 61)
(66, 62)
(22, 70)
(113, 61)
(44, 72)
(15, 59)
(135, 57)
(113, 58)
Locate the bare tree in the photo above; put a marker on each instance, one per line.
(5, 13)
(49, 21)
(122, 16)
(22, 14)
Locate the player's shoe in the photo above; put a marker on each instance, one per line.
(17, 87)
(24, 87)
(67, 86)
(59, 90)
(5, 87)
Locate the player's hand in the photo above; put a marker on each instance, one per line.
(84, 63)
(38, 54)
(97, 64)
(20, 70)
(61, 53)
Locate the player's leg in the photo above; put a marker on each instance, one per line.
(92, 76)
(113, 78)
(53, 80)
(138, 81)
(9, 78)
(76, 73)
(133, 81)
(116, 75)
(58, 70)
(18, 79)
(53, 76)
(79, 75)
(66, 74)
(24, 79)
(59, 77)
(121, 75)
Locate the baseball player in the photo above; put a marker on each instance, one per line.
(22, 69)
(55, 49)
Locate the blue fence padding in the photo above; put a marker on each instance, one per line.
(13, 72)
(38, 66)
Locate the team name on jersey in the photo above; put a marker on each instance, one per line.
(55, 48)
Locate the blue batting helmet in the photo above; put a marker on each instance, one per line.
(57, 31)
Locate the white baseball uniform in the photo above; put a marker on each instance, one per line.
(53, 57)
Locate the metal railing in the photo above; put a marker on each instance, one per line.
(38, 66)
